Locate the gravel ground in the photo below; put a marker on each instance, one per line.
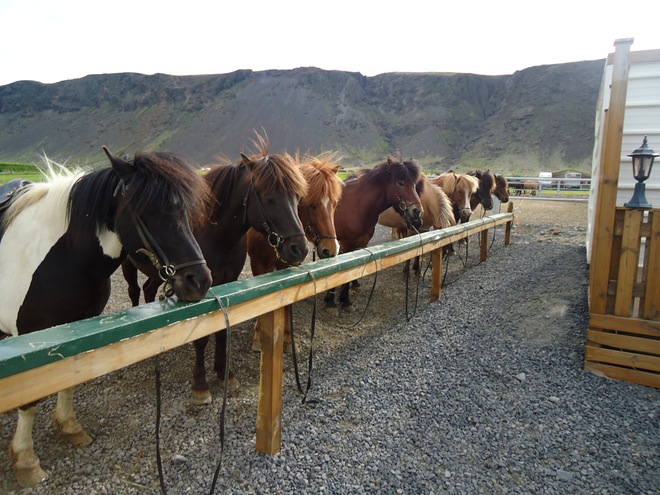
(481, 392)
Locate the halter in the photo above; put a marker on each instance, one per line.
(155, 253)
(404, 205)
(315, 237)
(274, 238)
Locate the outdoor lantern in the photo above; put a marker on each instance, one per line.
(642, 162)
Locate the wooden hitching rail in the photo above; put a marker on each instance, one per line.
(40, 364)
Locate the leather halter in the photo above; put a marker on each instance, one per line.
(155, 254)
(313, 234)
(274, 238)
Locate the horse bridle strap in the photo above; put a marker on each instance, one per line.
(274, 238)
(315, 236)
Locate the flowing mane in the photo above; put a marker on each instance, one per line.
(270, 174)
(320, 172)
(451, 181)
(384, 172)
(160, 182)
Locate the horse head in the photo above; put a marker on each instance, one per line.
(501, 188)
(486, 188)
(277, 186)
(157, 198)
(317, 207)
(405, 185)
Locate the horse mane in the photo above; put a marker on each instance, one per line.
(446, 213)
(391, 169)
(275, 174)
(451, 181)
(485, 177)
(270, 174)
(161, 182)
(320, 172)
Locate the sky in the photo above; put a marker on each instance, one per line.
(55, 40)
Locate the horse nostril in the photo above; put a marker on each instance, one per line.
(324, 253)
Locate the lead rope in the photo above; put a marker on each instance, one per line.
(311, 348)
(159, 461)
(421, 258)
(224, 394)
(371, 293)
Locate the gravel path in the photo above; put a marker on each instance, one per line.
(482, 392)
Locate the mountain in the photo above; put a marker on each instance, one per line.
(541, 118)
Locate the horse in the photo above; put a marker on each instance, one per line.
(501, 188)
(79, 227)
(366, 195)
(262, 191)
(459, 188)
(317, 213)
(483, 195)
(438, 214)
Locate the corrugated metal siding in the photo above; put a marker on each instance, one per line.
(642, 118)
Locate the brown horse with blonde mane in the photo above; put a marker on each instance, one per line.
(459, 188)
(317, 213)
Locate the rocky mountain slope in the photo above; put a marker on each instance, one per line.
(538, 118)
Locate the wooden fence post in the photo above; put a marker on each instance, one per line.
(269, 412)
(608, 180)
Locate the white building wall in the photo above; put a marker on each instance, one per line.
(641, 118)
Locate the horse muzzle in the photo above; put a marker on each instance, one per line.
(413, 216)
(191, 283)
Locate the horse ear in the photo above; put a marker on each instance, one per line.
(335, 169)
(123, 168)
(246, 161)
(389, 160)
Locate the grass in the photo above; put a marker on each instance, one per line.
(9, 171)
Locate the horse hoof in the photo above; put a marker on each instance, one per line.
(201, 397)
(332, 310)
(348, 308)
(77, 438)
(232, 384)
(30, 475)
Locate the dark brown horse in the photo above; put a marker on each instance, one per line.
(64, 238)
(366, 195)
(501, 188)
(262, 192)
(484, 194)
(317, 212)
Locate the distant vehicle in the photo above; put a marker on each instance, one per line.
(573, 184)
(545, 175)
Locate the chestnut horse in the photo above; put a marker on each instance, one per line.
(262, 192)
(501, 188)
(366, 195)
(459, 188)
(64, 238)
(438, 214)
(317, 213)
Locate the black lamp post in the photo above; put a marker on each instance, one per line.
(642, 162)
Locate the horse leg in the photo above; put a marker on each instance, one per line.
(64, 417)
(406, 270)
(355, 285)
(330, 304)
(345, 299)
(220, 361)
(150, 289)
(26, 467)
(200, 388)
(129, 271)
(416, 268)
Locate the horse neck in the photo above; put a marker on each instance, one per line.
(371, 198)
(228, 222)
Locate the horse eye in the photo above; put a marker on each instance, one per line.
(400, 183)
